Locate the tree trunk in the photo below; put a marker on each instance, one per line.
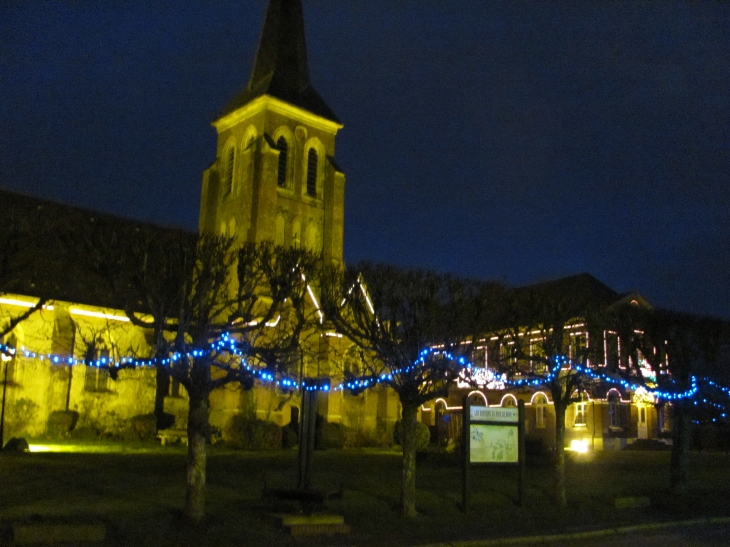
(162, 387)
(197, 432)
(681, 437)
(408, 478)
(559, 465)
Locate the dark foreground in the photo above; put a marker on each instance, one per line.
(138, 492)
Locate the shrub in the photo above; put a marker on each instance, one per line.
(423, 435)
(18, 415)
(17, 444)
(363, 438)
(144, 425)
(289, 437)
(248, 433)
(332, 435)
(61, 422)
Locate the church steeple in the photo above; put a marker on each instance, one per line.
(282, 51)
(280, 68)
(275, 177)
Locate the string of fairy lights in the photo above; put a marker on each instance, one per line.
(227, 344)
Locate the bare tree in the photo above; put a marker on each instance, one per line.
(534, 346)
(393, 315)
(218, 315)
(682, 350)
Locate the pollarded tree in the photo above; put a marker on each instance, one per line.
(535, 347)
(218, 314)
(684, 351)
(393, 315)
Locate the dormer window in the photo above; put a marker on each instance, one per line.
(283, 147)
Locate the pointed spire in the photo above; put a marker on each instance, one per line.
(282, 51)
(280, 67)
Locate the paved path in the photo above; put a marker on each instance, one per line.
(691, 536)
(691, 533)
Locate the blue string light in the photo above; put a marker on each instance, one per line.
(226, 344)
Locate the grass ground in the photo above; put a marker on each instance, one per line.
(139, 492)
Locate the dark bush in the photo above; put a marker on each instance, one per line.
(85, 433)
(61, 422)
(144, 425)
(17, 444)
(537, 454)
(165, 421)
(332, 435)
(289, 437)
(423, 435)
(248, 433)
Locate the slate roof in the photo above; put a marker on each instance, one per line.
(49, 257)
(280, 67)
(583, 288)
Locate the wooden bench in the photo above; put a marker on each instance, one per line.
(172, 435)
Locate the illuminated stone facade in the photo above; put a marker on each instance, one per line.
(274, 178)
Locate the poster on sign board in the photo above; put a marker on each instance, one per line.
(493, 443)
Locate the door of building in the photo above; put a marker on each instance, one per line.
(642, 429)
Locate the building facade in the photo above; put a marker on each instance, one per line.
(274, 178)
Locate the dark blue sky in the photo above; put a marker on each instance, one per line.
(518, 141)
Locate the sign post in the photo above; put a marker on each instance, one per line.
(307, 425)
(493, 436)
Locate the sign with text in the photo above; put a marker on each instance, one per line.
(495, 414)
(492, 436)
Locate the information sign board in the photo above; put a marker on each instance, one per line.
(494, 444)
(493, 436)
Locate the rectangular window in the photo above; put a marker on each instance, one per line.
(540, 416)
(614, 419)
(580, 414)
(96, 379)
(174, 390)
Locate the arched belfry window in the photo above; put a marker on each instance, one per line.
(247, 160)
(283, 147)
(230, 158)
(312, 166)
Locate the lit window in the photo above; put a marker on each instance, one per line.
(580, 414)
(540, 411)
(312, 161)
(665, 418)
(96, 378)
(283, 147)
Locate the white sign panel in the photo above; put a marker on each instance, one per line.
(493, 444)
(510, 414)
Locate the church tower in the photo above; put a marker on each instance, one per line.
(275, 177)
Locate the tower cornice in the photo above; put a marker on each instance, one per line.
(272, 104)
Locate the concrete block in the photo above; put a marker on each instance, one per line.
(41, 533)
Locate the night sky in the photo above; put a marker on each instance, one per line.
(516, 141)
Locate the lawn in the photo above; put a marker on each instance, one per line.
(138, 491)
